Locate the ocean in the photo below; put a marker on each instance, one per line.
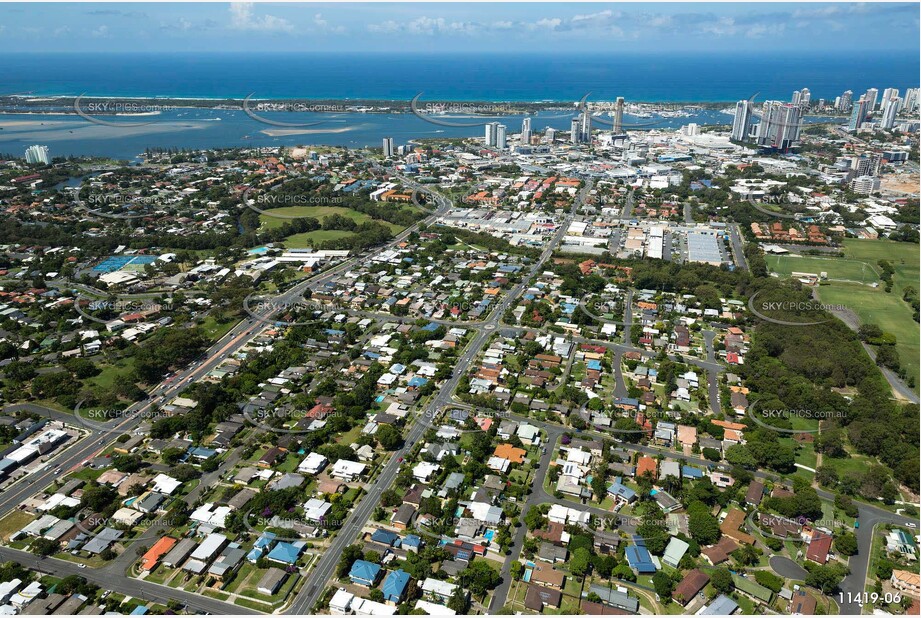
(563, 78)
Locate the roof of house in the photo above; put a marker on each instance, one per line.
(537, 596)
(818, 548)
(638, 558)
(730, 526)
(159, 549)
(363, 570)
(646, 464)
(395, 584)
(512, 453)
(688, 587)
(547, 575)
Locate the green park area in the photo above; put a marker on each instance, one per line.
(871, 304)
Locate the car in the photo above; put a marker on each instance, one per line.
(911, 524)
(81, 566)
(400, 459)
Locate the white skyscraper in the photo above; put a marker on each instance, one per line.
(586, 136)
(780, 125)
(388, 147)
(742, 121)
(871, 96)
(492, 130)
(888, 93)
(501, 138)
(38, 154)
(575, 129)
(550, 134)
(843, 103)
(858, 114)
(619, 116)
(911, 100)
(802, 98)
(526, 131)
(890, 110)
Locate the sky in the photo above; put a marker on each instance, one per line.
(456, 27)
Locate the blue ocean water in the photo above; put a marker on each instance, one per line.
(635, 76)
(661, 78)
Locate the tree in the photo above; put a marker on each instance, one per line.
(663, 585)
(389, 437)
(479, 578)
(460, 601)
(703, 527)
(44, 547)
(721, 580)
(746, 555)
(516, 570)
(580, 562)
(825, 577)
(846, 543)
(349, 555)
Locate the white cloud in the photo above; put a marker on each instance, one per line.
(242, 18)
(100, 32)
(324, 26)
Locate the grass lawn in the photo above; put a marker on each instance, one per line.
(309, 240)
(12, 523)
(109, 373)
(214, 330)
(836, 267)
(888, 310)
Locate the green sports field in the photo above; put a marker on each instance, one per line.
(871, 304)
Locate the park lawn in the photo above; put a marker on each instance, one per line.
(309, 240)
(888, 310)
(214, 330)
(902, 255)
(836, 267)
(13, 523)
(109, 373)
(269, 222)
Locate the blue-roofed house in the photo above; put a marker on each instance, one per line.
(412, 543)
(417, 382)
(286, 553)
(394, 586)
(594, 365)
(721, 606)
(690, 472)
(261, 545)
(140, 610)
(386, 537)
(365, 573)
(431, 327)
(621, 492)
(638, 557)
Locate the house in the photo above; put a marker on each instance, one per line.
(638, 557)
(539, 597)
(719, 553)
(818, 547)
(394, 586)
(547, 576)
(438, 590)
(512, 454)
(752, 589)
(551, 553)
(271, 581)
(341, 602)
(606, 542)
(647, 465)
(721, 606)
(906, 580)
(620, 492)
(802, 604)
(690, 586)
(403, 518)
(152, 557)
(347, 470)
(286, 553)
(424, 470)
(312, 464)
(900, 541)
(364, 573)
(755, 493)
(731, 524)
(674, 552)
(616, 598)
